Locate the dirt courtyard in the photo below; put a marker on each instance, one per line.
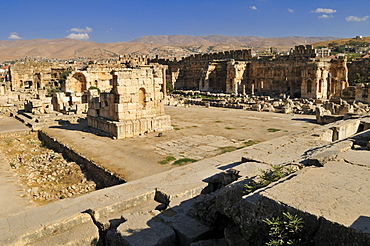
(198, 133)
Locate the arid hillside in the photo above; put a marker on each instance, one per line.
(343, 41)
(164, 46)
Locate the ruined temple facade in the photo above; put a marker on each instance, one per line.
(98, 74)
(134, 106)
(33, 75)
(300, 74)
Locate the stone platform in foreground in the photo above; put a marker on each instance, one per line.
(336, 189)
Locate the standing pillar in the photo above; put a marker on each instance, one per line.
(164, 78)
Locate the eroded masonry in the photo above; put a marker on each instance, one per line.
(134, 106)
(319, 174)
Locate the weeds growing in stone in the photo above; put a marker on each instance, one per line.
(273, 130)
(167, 160)
(285, 230)
(267, 177)
(249, 143)
(227, 149)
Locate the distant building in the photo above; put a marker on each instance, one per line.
(323, 52)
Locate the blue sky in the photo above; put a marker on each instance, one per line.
(110, 21)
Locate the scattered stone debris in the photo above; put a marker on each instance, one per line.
(46, 175)
(326, 111)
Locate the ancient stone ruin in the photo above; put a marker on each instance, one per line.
(226, 196)
(134, 106)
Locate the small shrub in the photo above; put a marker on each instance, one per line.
(184, 161)
(176, 128)
(249, 143)
(218, 121)
(273, 130)
(229, 128)
(285, 230)
(167, 160)
(227, 149)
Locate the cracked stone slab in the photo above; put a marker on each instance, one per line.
(356, 157)
(338, 192)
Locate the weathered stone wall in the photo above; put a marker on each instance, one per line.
(32, 75)
(359, 69)
(102, 177)
(131, 128)
(359, 93)
(95, 75)
(214, 77)
(235, 76)
(135, 104)
(189, 71)
(300, 74)
(242, 218)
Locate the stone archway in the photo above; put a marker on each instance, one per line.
(79, 83)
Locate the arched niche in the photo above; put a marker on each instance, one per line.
(141, 94)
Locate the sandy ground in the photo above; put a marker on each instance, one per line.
(138, 157)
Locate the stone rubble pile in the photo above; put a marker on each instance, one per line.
(46, 175)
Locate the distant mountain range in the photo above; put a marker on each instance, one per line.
(165, 46)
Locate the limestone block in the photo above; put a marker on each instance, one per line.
(321, 158)
(187, 229)
(256, 107)
(46, 100)
(92, 112)
(287, 109)
(144, 230)
(345, 129)
(268, 107)
(75, 99)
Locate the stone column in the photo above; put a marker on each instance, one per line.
(164, 78)
(252, 89)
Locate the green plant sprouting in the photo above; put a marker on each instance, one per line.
(183, 161)
(285, 230)
(167, 160)
(267, 177)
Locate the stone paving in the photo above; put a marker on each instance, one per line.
(196, 146)
(338, 191)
